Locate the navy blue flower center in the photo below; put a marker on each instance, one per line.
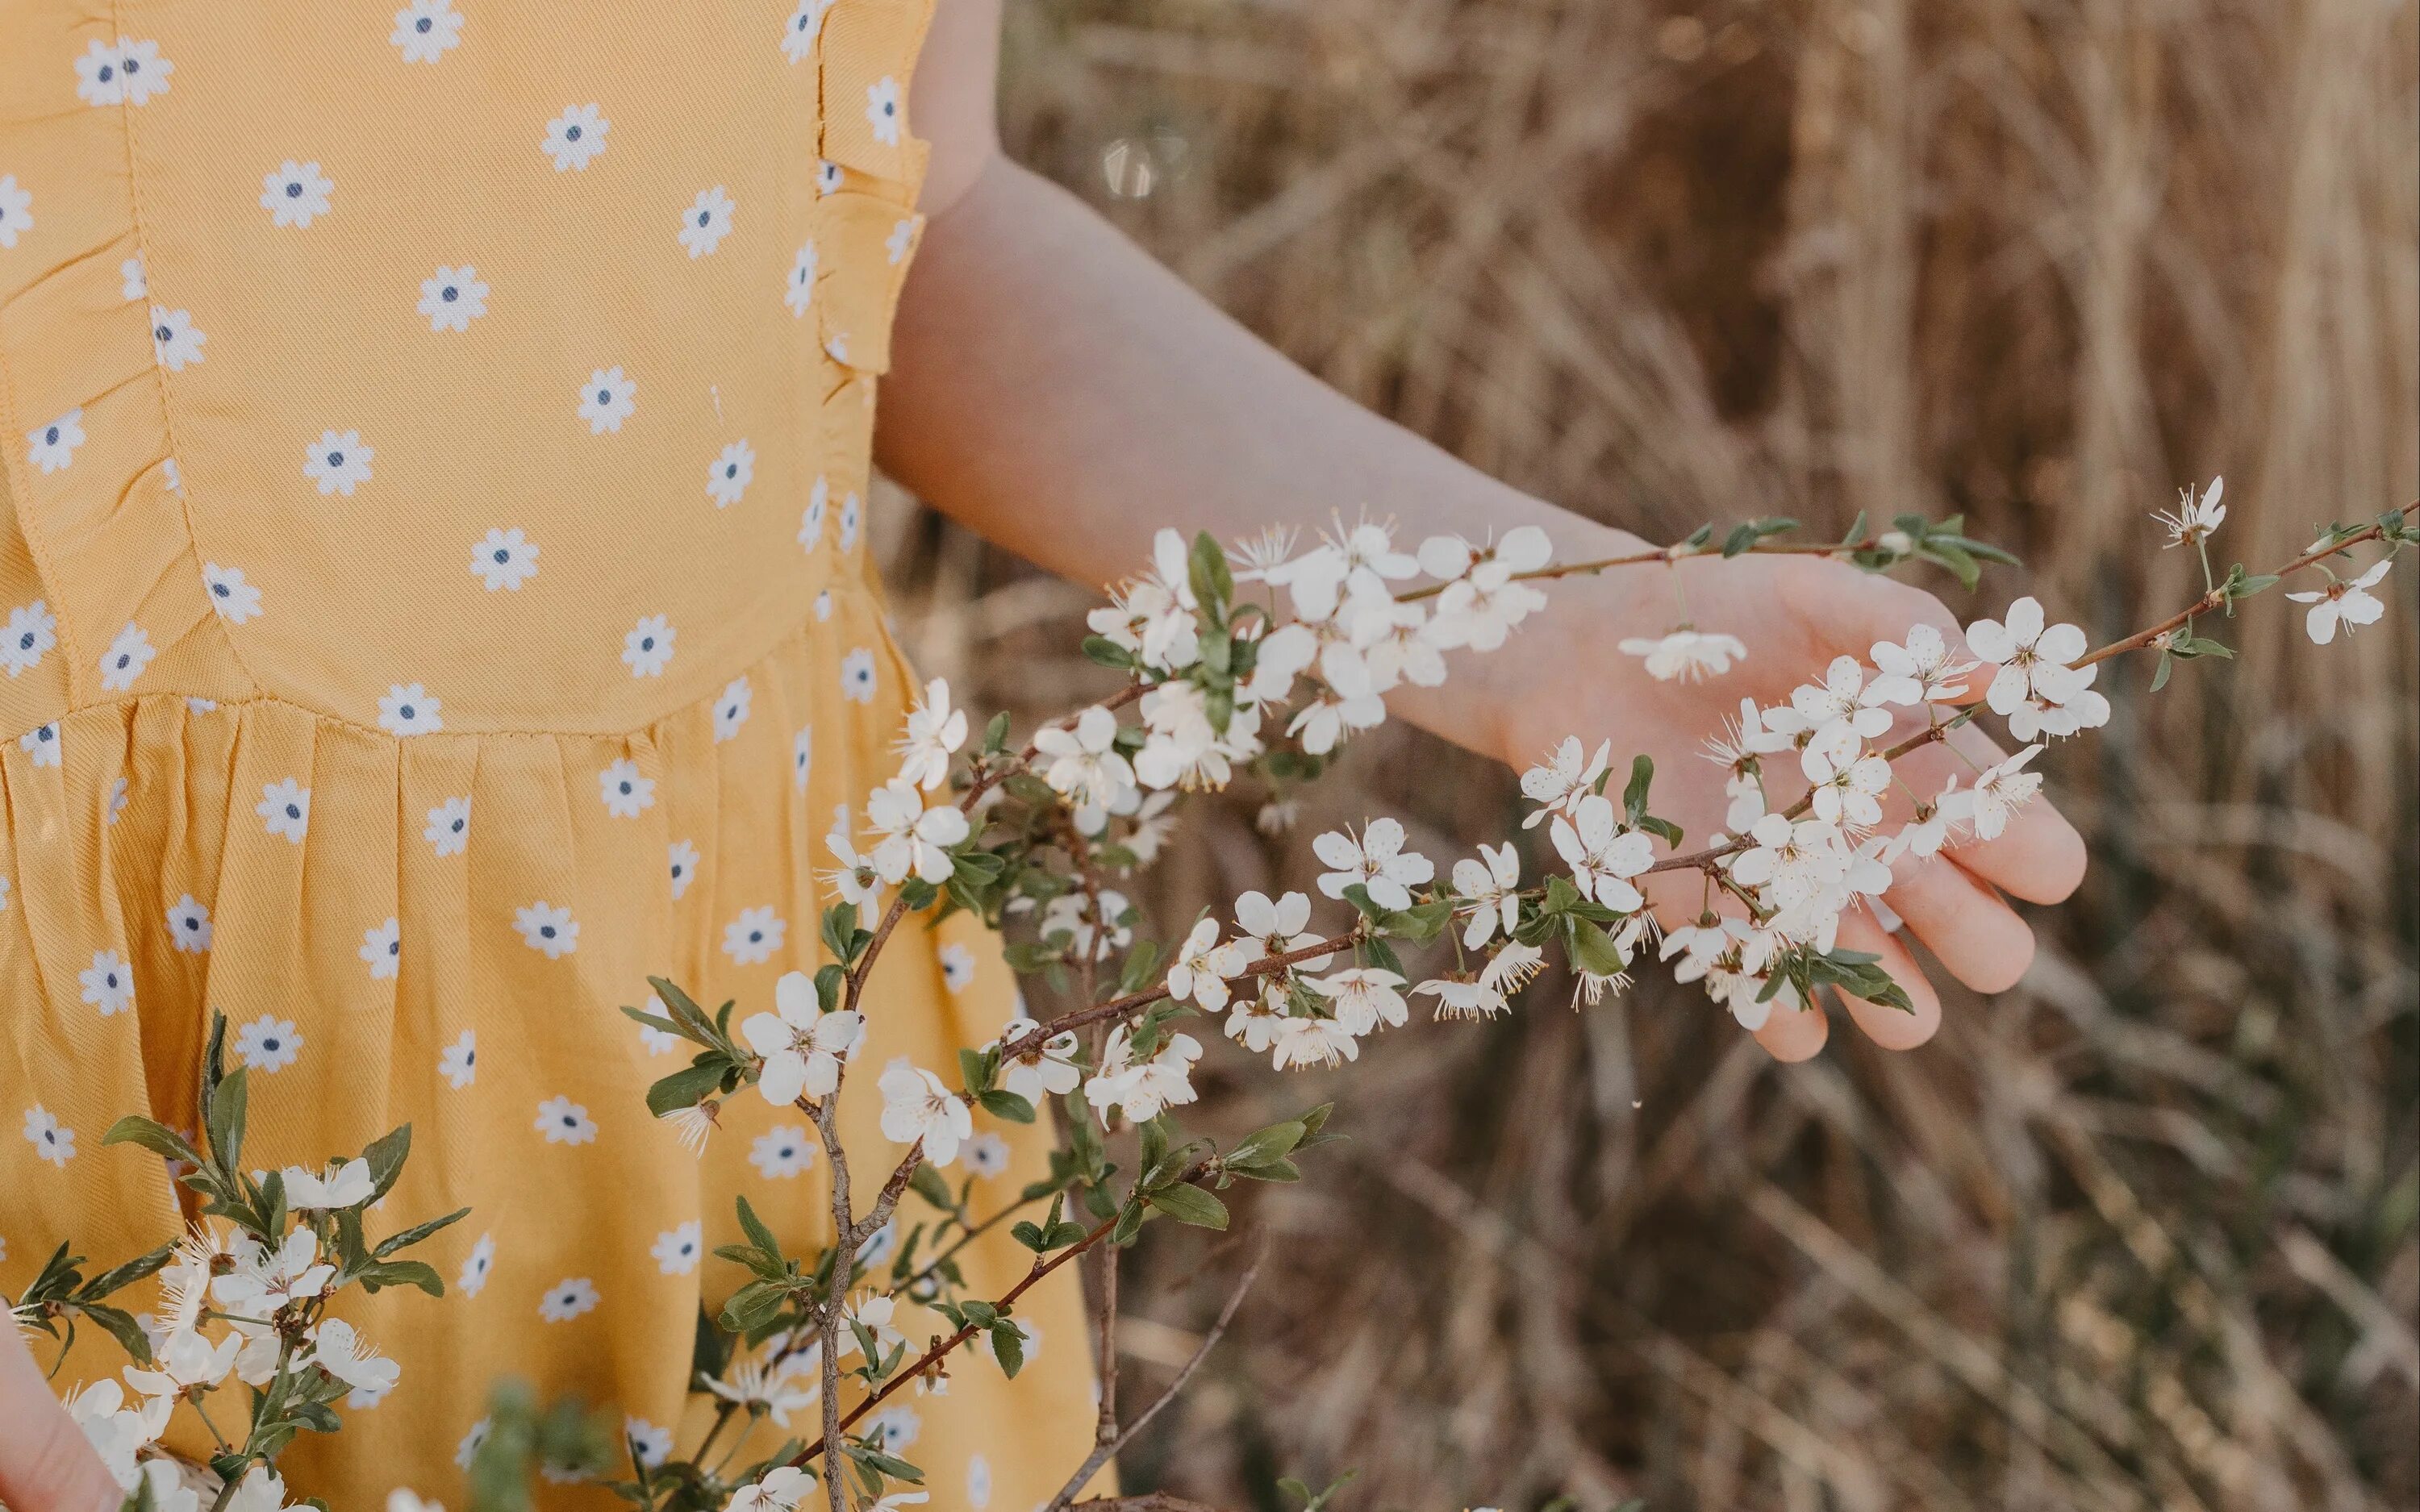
(423, 24)
(450, 294)
(547, 930)
(335, 459)
(294, 189)
(408, 712)
(572, 133)
(293, 810)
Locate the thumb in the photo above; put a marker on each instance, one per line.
(45, 1464)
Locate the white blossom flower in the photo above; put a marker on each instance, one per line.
(1313, 1042)
(1921, 669)
(872, 1312)
(1490, 884)
(706, 221)
(382, 949)
(1266, 930)
(264, 1281)
(1052, 1072)
(803, 1046)
(1463, 999)
(2348, 602)
(780, 1489)
(914, 838)
(1685, 654)
(856, 879)
(2032, 658)
(1363, 997)
(1377, 861)
(423, 30)
(452, 298)
(1084, 763)
(1848, 781)
(648, 648)
(728, 475)
(916, 1106)
(574, 138)
(1141, 1088)
(1791, 862)
(2000, 792)
(934, 731)
(607, 399)
(338, 463)
(1602, 854)
(352, 1359)
(189, 1361)
(1562, 778)
(2196, 519)
(1348, 701)
(1199, 969)
(295, 193)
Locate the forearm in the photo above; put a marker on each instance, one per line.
(1059, 392)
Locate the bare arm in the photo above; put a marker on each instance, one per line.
(1062, 394)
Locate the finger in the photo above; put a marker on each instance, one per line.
(45, 1464)
(2038, 856)
(1846, 610)
(1976, 936)
(1793, 1034)
(1890, 1027)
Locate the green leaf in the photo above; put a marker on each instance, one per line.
(126, 1275)
(225, 1123)
(1206, 569)
(403, 1274)
(1633, 795)
(975, 1069)
(1592, 950)
(417, 1232)
(1008, 1347)
(1189, 1205)
(1263, 1146)
(994, 735)
(933, 1187)
(759, 1233)
(155, 1138)
(121, 1326)
(829, 980)
(1006, 1104)
(840, 931)
(1101, 649)
(386, 1155)
(1142, 967)
(688, 1087)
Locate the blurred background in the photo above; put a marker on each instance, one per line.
(2139, 1233)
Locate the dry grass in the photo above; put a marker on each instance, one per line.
(2140, 1233)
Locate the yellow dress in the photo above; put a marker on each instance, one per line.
(433, 565)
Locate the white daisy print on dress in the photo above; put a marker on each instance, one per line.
(852, 514)
(658, 1041)
(883, 110)
(285, 807)
(51, 1140)
(267, 1045)
(730, 709)
(425, 29)
(798, 289)
(295, 193)
(802, 757)
(448, 830)
(117, 805)
(676, 1249)
(957, 967)
(452, 298)
(574, 138)
(53, 446)
(626, 792)
(173, 475)
(41, 743)
(648, 648)
(503, 560)
(409, 710)
(978, 1483)
(706, 221)
(236, 600)
(128, 73)
(754, 936)
(108, 982)
(131, 280)
(897, 1427)
(459, 1062)
(728, 476)
(607, 399)
(32, 631)
(782, 1152)
(811, 523)
(829, 177)
(17, 214)
(568, 1299)
(986, 1155)
(823, 605)
(189, 925)
(128, 654)
(799, 32)
(476, 1439)
(902, 241)
(544, 928)
(857, 679)
(470, 1281)
(174, 339)
(382, 949)
(684, 863)
(194, 705)
(651, 1445)
(566, 1122)
(337, 462)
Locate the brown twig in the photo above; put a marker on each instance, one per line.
(1113, 1439)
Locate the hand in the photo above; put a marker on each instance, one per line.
(45, 1464)
(1564, 676)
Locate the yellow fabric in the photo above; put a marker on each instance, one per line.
(306, 309)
